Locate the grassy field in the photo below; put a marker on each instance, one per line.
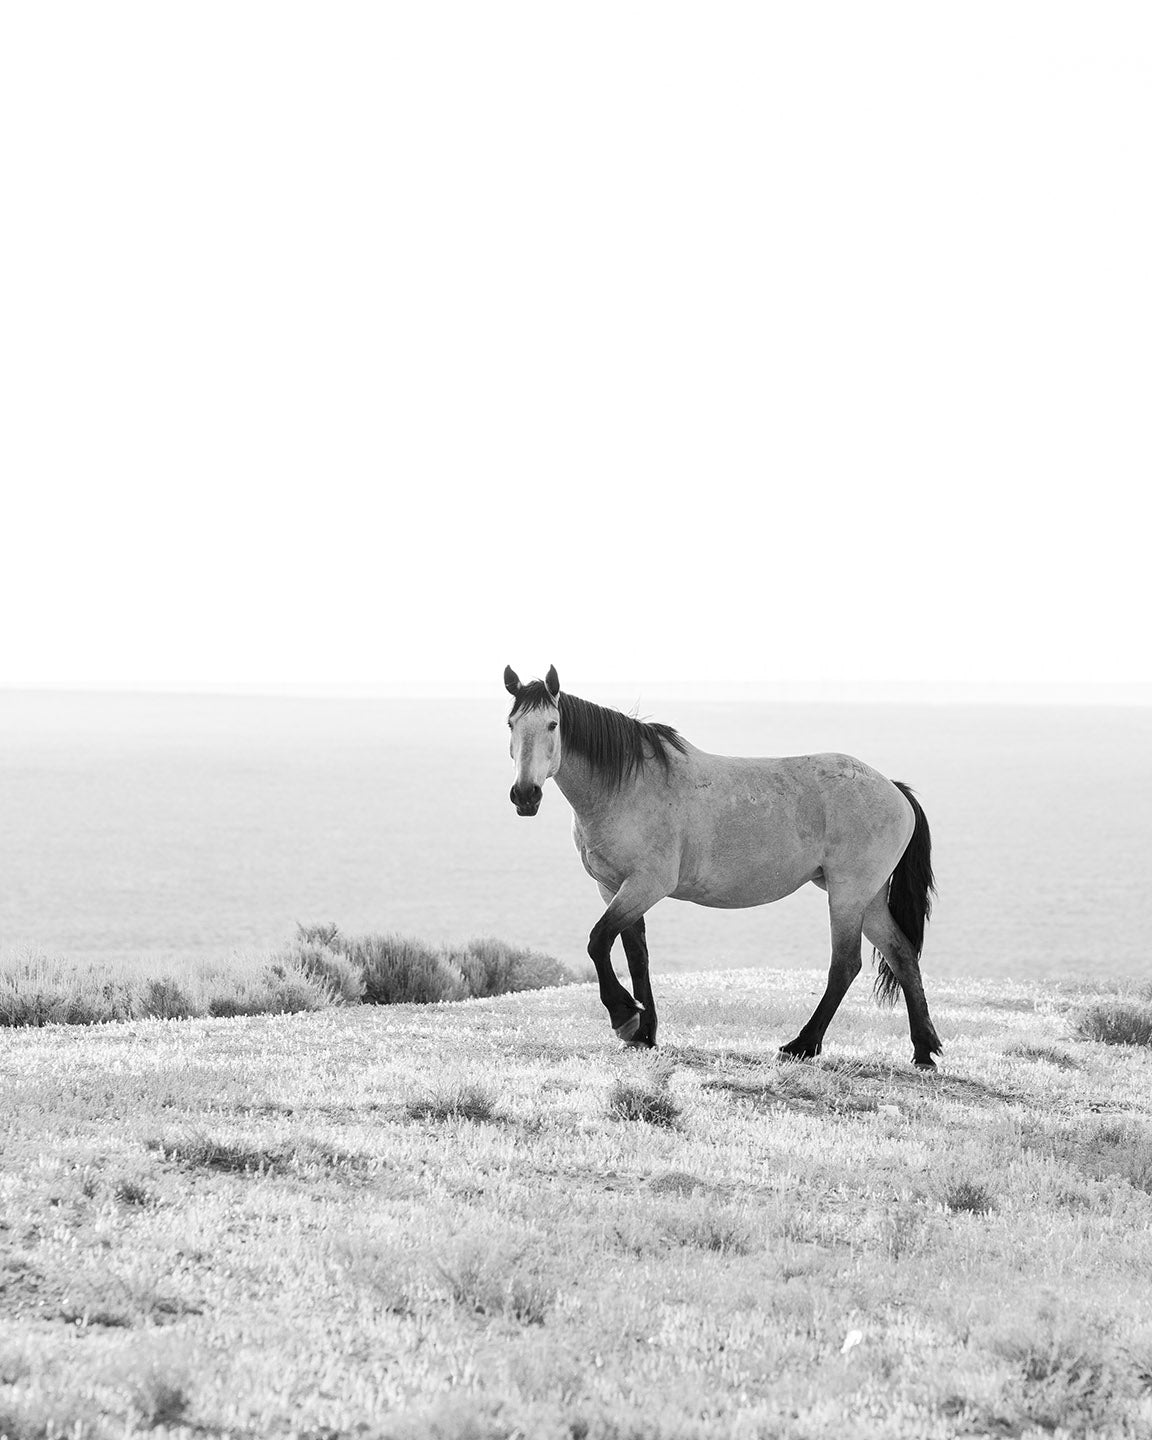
(487, 1219)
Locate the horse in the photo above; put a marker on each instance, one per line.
(653, 816)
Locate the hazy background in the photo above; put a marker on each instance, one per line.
(710, 353)
(184, 827)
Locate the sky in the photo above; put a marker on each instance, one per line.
(381, 345)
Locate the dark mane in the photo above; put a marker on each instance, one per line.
(614, 744)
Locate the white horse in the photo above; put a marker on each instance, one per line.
(653, 816)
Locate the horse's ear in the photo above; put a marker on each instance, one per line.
(511, 681)
(552, 681)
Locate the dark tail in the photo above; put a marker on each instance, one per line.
(910, 894)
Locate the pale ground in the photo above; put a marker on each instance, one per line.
(236, 1227)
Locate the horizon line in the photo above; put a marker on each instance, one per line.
(906, 692)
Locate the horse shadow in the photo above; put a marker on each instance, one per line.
(836, 1084)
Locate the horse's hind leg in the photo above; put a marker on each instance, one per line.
(846, 917)
(636, 949)
(882, 931)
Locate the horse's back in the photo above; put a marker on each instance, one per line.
(837, 781)
(755, 829)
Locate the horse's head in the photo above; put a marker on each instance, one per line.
(534, 721)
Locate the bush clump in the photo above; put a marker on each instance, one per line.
(493, 967)
(461, 1102)
(278, 991)
(970, 1196)
(166, 999)
(630, 1100)
(397, 969)
(40, 991)
(1117, 1022)
(320, 968)
(341, 979)
(494, 1278)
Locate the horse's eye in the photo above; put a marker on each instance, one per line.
(552, 725)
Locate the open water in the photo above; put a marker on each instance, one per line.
(188, 828)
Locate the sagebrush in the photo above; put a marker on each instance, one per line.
(318, 969)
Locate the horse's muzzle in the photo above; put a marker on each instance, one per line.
(526, 799)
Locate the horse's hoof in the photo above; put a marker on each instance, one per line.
(794, 1051)
(627, 1031)
(928, 1064)
(639, 1043)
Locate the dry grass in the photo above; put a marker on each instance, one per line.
(294, 1225)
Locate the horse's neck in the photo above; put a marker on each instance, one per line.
(580, 785)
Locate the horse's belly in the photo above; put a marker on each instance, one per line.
(751, 854)
(737, 888)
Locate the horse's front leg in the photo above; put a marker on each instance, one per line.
(626, 909)
(636, 949)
